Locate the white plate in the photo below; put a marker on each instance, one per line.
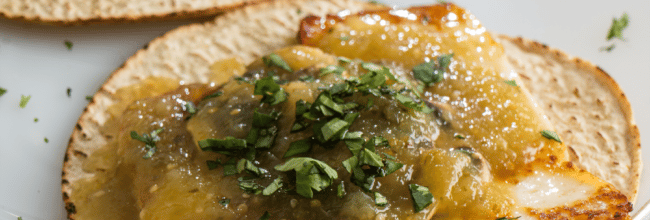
(34, 61)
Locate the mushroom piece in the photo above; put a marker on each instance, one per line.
(444, 112)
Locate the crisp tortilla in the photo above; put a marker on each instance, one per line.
(248, 33)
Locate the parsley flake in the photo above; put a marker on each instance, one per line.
(511, 82)
(68, 92)
(311, 174)
(2, 91)
(551, 135)
(216, 94)
(344, 38)
(421, 197)
(89, 98)
(24, 100)
(213, 164)
(68, 44)
(338, 70)
(380, 200)
(271, 92)
(430, 73)
(298, 147)
(340, 190)
(46, 140)
(459, 136)
(274, 186)
(149, 140)
(276, 60)
(35, 120)
(224, 202)
(618, 25)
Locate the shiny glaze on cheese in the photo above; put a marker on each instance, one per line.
(513, 173)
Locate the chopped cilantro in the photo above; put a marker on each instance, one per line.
(618, 25)
(216, 94)
(213, 164)
(311, 174)
(2, 91)
(224, 202)
(249, 186)
(68, 44)
(506, 218)
(230, 167)
(189, 107)
(338, 70)
(551, 135)
(227, 144)
(68, 92)
(344, 60)
(430, 73)
(149, 140)
(265, 216)
(344, 38)
(24, 100)
(608, 48)
(307, 78)
(380, 200)
(89, 98)
(20, 218)
(271, 92)
(46, 140)
(35, 120)
(511, 82)
(412, 104)
(340, 190)
(298, 147)
(276, 60)
(298, 11)
(421, 197)
(392, 166)
(328, 131)
(249, 167)
(274, 186)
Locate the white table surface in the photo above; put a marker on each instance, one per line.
(34, 61)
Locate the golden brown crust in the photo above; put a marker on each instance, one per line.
(588, 108)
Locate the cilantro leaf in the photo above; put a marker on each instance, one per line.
(421, 197)
(311, 174)
(249, 167)
(46, 140)
(551, 135)
(213, 95)
(149, 140)
(412, 104)
(429, 72)
(340, 190)
(298, 147)
(224, 202)
(2, 91)
(275, 60)
(344, 59)
(249, 186)
(338, 70)
(213, 164)
(511, 82)
(380, 200)
(24, 100)
(227, 144)
(271, 92)
(618, 25)
(68, 91)
(230, 167)
(274, 186)
(68, 44)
